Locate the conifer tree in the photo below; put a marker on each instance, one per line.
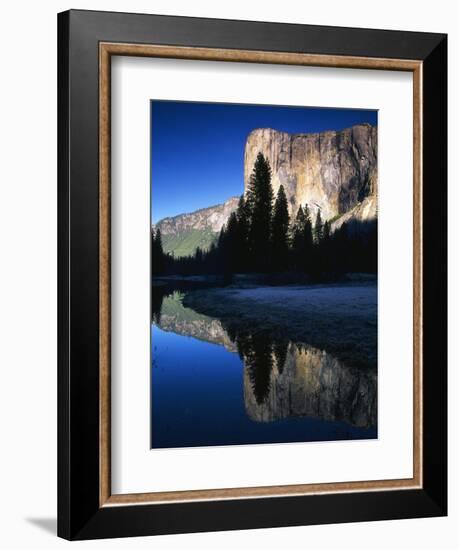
(325, 250)
(297, 240)
(307, 232)
(259, 203)
(198, 258)
(242, 236)
(280, 232)
(157, 256)
(159, 241)
(302, 240)
(326, 231)
(342, 240)
(231, 243)
(318, 229)
(227, 244)
(153, 254)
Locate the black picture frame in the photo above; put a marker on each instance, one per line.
(80, 515)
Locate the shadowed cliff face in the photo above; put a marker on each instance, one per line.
(334, 171)
(305, 381)
(282, 379)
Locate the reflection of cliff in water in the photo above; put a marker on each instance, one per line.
(281, 379)
(310, 382)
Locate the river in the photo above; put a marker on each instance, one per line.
(212, 386)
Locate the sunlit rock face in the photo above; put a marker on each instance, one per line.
(311, 383)
(334, 171)
(364, 211)
(205, 329)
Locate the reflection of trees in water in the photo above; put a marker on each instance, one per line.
(280, 353)
(157, 297)
(162, 289)
(260, 354)
(256, 353)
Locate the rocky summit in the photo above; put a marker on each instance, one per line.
(334, 171)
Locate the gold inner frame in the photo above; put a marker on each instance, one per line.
(106, 51)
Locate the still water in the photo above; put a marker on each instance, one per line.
(210, 388)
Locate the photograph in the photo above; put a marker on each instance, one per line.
(264, 274)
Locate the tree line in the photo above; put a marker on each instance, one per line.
(260, 237)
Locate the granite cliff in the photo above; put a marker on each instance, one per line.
(335, 171)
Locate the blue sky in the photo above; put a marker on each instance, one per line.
(197, 149)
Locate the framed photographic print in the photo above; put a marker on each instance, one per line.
(252, 274)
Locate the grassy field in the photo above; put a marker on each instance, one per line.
(185, 244)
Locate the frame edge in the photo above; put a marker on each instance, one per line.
(63, 312)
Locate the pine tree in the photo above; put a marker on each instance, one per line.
(318, 229)
(153, 254)
(280, 232)
(326, 232)
(307, 233)
(227, 245)
(297, 239)
(259, 203)
(242, 236)
(231, 243)
(157, 253)
(325, 250)
(198, 258)
(220, 251)
(341, 247)
(159, 241)
(297, 228)
(302, 240)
